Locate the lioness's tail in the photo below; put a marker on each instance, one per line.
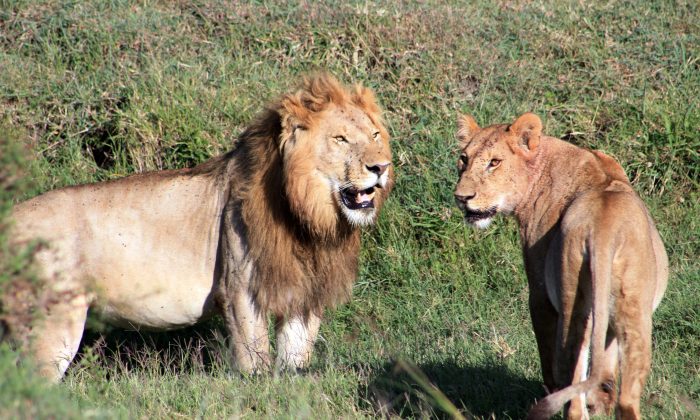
(552, 403)
(600, 253)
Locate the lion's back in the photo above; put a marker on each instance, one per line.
(143, 242)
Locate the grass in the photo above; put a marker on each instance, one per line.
(103, 89)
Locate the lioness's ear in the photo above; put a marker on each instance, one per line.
(611, 167)
(466, 130)
(527, 130)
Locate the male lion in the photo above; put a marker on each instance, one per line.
(269, 228)
(595, 263)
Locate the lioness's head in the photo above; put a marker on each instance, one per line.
(493, 166)
(335, 149)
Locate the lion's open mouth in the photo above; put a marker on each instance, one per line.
(473, 216)
(358, 199)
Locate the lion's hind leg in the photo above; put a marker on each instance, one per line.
(57, 333)
(58, 328)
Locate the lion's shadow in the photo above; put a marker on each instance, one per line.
(490, 390)
(485, 391)
(200, 348)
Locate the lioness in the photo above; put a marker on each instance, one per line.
(269, 228)
(595, 263)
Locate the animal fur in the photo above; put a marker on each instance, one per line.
(595, 263)
(269, 228)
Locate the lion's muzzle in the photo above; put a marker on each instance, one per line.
(378, 168)
(355, 199)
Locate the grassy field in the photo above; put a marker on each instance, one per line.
(98, 90)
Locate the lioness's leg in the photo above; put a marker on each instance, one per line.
(634, 332)
(57, 334)
(544, 323)
(603, 399)
(575, 323)
(578, 355)
(295, 341)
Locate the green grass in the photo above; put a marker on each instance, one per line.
(103, 89)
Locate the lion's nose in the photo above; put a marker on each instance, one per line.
(463, 198)
(378, 168)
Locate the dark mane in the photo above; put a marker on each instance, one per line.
(297, 268)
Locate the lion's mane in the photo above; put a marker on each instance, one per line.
(304, 255)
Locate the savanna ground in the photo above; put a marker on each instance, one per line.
(97, 90)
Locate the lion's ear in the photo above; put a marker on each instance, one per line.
(364, 98)
(467, 128)
(293, 115)
(527, 130)
(294, 112)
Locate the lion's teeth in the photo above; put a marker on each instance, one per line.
(363, 197)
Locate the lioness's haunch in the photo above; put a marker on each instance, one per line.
(596, 266)
(270, 228)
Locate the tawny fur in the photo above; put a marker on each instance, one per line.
(258, 231)
(595, 263)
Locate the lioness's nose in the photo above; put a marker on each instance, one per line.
(378, 168)
(464, 197)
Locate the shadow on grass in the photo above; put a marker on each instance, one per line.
(116, 351)
(477, 391)
(484, 391)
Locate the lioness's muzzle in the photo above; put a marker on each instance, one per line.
(473, 216)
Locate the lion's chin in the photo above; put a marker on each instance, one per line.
(358, 205)
(360, 217)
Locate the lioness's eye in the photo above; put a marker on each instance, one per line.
(462, 164)
(375, 136)
(494, 163)
(340, 139)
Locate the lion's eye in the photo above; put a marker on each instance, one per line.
(494, 163)
(375, 136)
(340, 139)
